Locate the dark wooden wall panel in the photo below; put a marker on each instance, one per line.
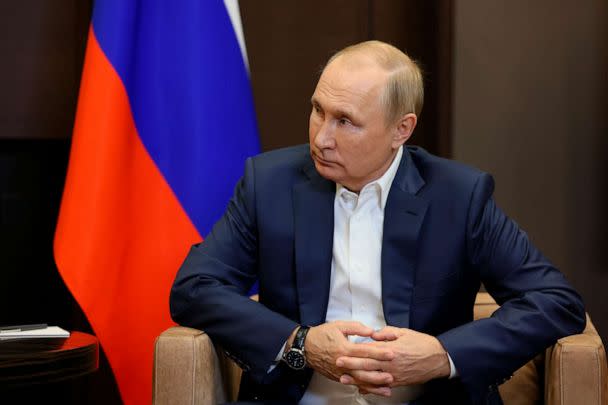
(288, 42)
(423, 29)
(531, 103)
(42, 43)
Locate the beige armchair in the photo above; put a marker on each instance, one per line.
(188, 369)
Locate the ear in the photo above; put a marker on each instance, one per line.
(404, 129)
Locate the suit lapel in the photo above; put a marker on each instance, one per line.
(314, 232)
(403, 217)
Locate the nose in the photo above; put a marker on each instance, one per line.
(324, 138)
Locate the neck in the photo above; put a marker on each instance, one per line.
(356, 187)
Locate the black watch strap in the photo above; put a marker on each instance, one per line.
(298, 341)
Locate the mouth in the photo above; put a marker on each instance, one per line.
(322, 161)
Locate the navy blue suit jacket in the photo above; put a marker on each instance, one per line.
(443, 235)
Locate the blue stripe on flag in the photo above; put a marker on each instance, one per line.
(189, 92)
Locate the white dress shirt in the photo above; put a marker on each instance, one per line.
(356, 283)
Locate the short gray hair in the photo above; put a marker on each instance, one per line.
(404, 91)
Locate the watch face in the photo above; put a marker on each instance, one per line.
(295, 359)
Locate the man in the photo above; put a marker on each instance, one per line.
(369, 255)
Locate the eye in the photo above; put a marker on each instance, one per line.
(344, 121)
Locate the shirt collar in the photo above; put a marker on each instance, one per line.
(381, 185)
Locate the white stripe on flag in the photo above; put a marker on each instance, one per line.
(232, 6)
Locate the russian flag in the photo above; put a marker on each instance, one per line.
(165, 121)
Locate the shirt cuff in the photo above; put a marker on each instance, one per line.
(453, 371)
(280, 356)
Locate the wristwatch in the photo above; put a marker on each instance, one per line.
(295, 356)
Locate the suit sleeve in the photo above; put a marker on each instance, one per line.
(538, 306)
(210, 289)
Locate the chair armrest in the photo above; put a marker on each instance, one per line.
(186, 369)
(575, 370)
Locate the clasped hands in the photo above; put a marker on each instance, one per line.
(395, 357)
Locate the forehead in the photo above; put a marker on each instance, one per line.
(356, 83)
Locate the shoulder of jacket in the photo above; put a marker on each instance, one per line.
(443, 172)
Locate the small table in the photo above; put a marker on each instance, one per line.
(32, 361)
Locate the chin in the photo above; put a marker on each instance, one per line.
(327, 172)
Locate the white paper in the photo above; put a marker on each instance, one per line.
(48, 332)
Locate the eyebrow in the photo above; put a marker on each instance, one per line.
(338, 112)
(344, 113)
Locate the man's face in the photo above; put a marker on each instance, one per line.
(350, 142)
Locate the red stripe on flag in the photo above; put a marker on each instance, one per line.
(121, 233)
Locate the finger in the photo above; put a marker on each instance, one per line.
(388, 333)
(348, 380)
(377, 378)
(369, 351)
(364, 377)
(382, 391)
(384, 336)
(358, 363)
(354, 328)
